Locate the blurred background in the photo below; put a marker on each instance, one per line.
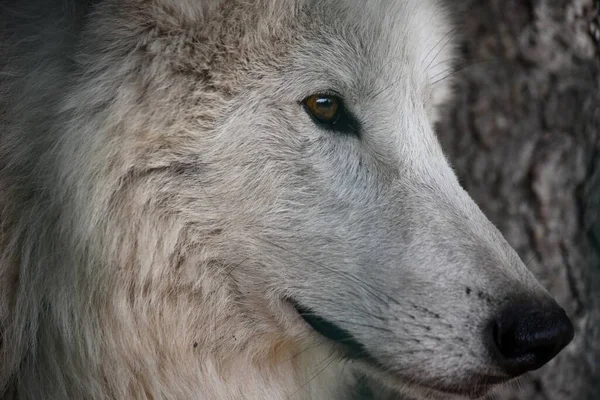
(524, 138)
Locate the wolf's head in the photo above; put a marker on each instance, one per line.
(285, 152)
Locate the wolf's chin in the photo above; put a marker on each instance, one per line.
(474, 388)
(413, 390)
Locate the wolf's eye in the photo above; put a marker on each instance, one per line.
(324, 109)
(328, 111)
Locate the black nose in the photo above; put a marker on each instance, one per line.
(527, 337)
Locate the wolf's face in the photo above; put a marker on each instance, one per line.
(298, 148)
(353, 216)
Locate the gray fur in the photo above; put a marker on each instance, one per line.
(163, 192)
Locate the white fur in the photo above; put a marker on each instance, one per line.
(163, 193)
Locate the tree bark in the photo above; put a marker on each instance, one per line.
(524, 136)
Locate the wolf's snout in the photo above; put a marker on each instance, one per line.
(527, 337)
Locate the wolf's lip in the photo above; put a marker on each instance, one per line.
(332, 331)
(481, 384)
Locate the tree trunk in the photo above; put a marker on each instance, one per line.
(524, 137)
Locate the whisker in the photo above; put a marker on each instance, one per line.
(451, 32)
(235, 267)
(448, 37)
(312, 346)
(530, 260)
(462, 66)
(455, 71)
(449, 60)
(391, 85)
(379, 72)
(379, 328)
(327, 361)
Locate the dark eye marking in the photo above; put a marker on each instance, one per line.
(329, 112)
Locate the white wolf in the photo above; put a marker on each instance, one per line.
(233, 199)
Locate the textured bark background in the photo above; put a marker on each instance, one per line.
(524, 137)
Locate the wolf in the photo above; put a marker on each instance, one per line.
(231, 199)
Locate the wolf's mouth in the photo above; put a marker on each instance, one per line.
(353, 349)
(332, 331)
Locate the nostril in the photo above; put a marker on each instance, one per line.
(527, 338)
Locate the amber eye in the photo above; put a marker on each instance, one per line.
(324, 108)
(330, 113)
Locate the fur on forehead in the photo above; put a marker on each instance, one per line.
(386, 13)
(394, 24)
(203, 11)
(419, 32)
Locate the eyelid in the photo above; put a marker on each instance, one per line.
(322, 92)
